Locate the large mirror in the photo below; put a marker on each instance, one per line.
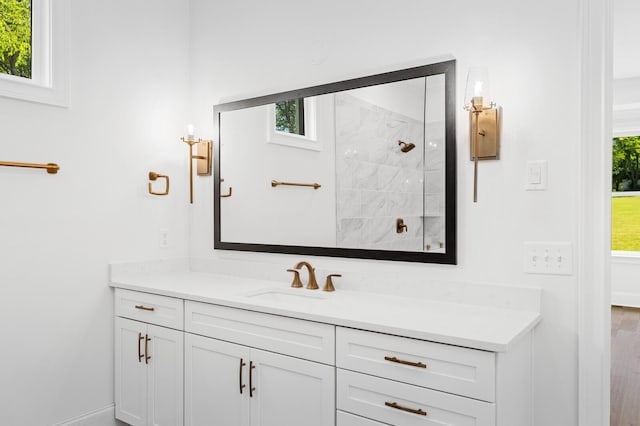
(363, 168)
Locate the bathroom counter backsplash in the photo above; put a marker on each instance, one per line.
(481, 327)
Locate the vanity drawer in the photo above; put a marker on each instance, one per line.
(453, 369)
(298, 338)
(395, 403)
(348, 419)
(150, 308)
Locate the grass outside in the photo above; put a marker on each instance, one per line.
(625, 223)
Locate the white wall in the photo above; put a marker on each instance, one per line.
(535, 77)
(129, 86)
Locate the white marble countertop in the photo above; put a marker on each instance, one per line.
(480, 327)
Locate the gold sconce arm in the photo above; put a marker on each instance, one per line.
(153, 176)
(484, 121)
(203, 157)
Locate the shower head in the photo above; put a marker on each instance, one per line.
(406, 147)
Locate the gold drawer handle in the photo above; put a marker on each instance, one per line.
(145, 308)
(400, 361)
(410, 410)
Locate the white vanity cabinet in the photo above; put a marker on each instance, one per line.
(242, 384)
(400, 381)
(183, 357)
(148, 359)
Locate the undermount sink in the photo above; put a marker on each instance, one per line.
(298, 297)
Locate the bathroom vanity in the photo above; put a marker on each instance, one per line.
(199, 349)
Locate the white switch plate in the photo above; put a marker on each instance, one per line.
(536, 175)
(548, 258)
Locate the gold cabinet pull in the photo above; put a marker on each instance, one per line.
(400, 407)
(147, 357)
(140, 339)
(145, 308)
(242, 364)
(251, 388)
(403, 362)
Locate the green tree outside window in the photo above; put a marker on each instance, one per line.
(15, 37)
(626, 164)
(290, 116)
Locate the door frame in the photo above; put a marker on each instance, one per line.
(594, 217)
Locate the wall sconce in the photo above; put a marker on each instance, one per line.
(203, 157)
(484, 118)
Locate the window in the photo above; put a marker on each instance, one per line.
(15, 37)
(625, 201)
(293, 123)
(290, 116)
(33, 44)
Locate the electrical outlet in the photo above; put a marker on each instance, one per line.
(164, 238)
(548, 258)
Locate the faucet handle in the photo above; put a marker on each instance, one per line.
(328, 285)
(296, 278)
(313, 284)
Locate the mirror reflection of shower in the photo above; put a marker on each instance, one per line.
(406, 147)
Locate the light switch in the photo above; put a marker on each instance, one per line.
(554, 258)
(536, 175)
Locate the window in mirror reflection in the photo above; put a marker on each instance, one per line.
(290, 116)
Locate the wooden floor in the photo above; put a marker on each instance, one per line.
(625, 366)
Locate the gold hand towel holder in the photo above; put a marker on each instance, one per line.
(153, 176)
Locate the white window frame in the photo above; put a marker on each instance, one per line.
(49, 52)
(307, 141)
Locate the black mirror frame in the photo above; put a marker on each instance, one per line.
(448, 68)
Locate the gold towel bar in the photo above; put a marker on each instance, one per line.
(275, 183)
(52, 168)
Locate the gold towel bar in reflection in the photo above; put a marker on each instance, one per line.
(153, 176)
(52, 168)
(275, 183)
(228, 194)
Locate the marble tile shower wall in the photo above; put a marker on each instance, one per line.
(377, 182)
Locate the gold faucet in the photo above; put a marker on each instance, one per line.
(312, 284)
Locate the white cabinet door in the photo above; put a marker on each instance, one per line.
(149, 374)
(216, 382)
(131, 372)
(164, 351)
(291, 391)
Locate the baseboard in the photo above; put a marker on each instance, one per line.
(101, 417)
(631, 300)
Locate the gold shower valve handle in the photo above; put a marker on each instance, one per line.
(153, 176)
(401, 226)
